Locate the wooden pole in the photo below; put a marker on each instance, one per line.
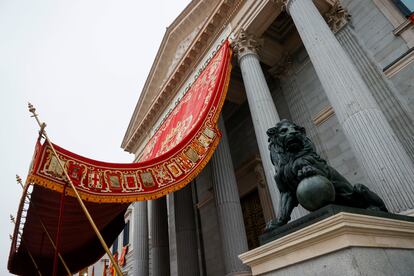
(19, 180)
(85, 210)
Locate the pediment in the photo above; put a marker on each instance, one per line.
(178, 37)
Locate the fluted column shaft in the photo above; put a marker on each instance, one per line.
(160, 254)
(262, 109)
(229, 212)
(140, 239)
(378, 150)
(187, 252)
(381, 90)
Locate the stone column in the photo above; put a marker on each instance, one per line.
(140, 239)
(186, 237)
(378, 150)
(230, 217)
(160, 255)
(172, 237)
(262, 107)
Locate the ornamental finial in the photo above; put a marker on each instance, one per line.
(32, 109)
(18, 179)
(12, 219)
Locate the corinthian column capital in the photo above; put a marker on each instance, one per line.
(281, 3)
(246, 43)
(337, 17)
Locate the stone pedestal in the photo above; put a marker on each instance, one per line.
(338, 241)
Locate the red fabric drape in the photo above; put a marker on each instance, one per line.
(173, 156)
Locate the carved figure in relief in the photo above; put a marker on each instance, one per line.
(303, 177)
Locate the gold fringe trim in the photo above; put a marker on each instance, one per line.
(125, 198)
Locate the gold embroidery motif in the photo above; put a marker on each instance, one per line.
(209, 133)
(204, 140)
(132, 183)
(114, 181)
(52, 167)
(200, 150)
(192, 155)
(147, 179)
(162, 175)
(94, 180)
(174, 169)
(184, 162)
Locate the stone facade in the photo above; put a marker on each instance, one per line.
(357, 112)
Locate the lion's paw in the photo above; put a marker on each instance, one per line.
(273, 224)
(306, 171)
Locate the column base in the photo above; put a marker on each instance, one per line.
(338, 241)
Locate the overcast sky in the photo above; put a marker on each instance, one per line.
(82, 64)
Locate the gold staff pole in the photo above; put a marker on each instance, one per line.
(28, 251)
(85, 210)
(19, 180)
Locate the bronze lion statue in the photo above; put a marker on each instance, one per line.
(294, 157)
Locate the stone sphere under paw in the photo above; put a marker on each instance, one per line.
(315, 192)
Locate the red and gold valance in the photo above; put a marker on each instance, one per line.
(175, 154)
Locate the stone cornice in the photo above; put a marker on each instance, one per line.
(138, 130)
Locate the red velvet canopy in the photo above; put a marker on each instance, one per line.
(79, 245)
(173, 156)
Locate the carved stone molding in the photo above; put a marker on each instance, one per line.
(323, 115)
(246, 43)
(402, 62)
(337, 17)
